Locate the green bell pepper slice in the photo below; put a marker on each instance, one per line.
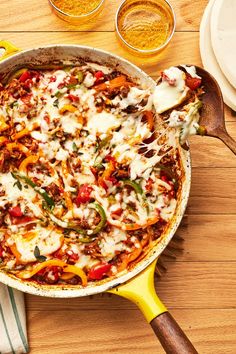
(134, 185)
(39, 190)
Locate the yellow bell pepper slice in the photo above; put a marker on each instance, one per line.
(3, 140)
(27, 274)
(64, 168)
(77, 271)
(21, 134)
(3, 125)
(17, 146)
(17, 74)
(24, 132)
(68, 200)
(28, 160)
(16, 253)
(67, 108)
(67, 276)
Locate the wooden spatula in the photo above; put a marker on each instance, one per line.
(212, 115)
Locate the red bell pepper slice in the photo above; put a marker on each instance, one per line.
(98, 271)
(15, 212)
(73, 98)
(84, 194)
(1, 251)
(25, 76)
(193, 82)
(99, 75)
(149, 184)
(21, 220)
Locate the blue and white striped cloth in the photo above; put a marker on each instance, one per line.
(13, 336)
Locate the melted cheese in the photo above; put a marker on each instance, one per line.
(70, 124)
(134, 98)
(105, 69)
(191, 70)
(167, 96)
(186, 121)
(47, 240)
(85, 261)
(63, 138)
(60, 76)
(167, 212)
(14, 195)
(103, 123)
(89, 80)
(110, 245)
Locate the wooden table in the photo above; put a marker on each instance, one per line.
(199, 287)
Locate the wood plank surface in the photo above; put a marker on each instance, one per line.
(37, 16)
(213, 191)
(199, 286)
(105, 332)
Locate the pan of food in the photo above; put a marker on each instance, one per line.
(94, 175)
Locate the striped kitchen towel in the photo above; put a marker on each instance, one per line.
(13, 337)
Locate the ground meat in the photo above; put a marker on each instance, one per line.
(122, 174)
(3, 214)
(112, 94)
(112, 75)
(150, 153)
(158, 228)
(92, 249)
(124, 91)
(84, 224)
(131, 109)
(5, 158)
(29, 143)
(54, 191)
(74, 281)
(143, 102)
(15, 88)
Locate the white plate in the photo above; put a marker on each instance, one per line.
(209, 60)
(223, 37)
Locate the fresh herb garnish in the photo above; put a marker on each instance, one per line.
(50, 202)
(102, 143)
(38, 255)
(71, 86)
(58, 94)
(13, 175)
(80, 77)
(18, 184)
(44, 205)
(99, 166)
(56, 103)
(96, 147)
(13, 104)
(74, 146)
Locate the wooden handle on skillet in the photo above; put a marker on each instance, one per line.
(141, 291)
(171, 336)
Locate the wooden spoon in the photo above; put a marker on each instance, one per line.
(212, 115)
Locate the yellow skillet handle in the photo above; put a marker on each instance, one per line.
(141, 291)
(9, 49)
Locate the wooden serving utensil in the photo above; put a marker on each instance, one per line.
(212, 115)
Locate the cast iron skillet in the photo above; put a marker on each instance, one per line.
(136, 284)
